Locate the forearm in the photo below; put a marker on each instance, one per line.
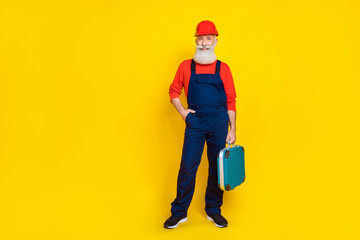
(232, 117)
(179, 107)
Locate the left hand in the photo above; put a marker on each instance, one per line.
(231, 137)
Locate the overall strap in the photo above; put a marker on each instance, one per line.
(193, 66)
(217, 70)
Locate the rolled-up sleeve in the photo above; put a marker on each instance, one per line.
(177, 84)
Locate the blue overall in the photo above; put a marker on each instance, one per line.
(206, 95)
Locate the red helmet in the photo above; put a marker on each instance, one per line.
(205, 28)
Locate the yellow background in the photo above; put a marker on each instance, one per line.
(90, 145)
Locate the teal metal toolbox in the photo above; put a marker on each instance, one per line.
(231, 167)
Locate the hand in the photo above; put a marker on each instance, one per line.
(231, 137)
(186, 112)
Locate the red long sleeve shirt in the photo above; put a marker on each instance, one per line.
(182, 79)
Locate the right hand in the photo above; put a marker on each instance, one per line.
(186, 112)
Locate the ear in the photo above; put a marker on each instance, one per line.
(215, 42)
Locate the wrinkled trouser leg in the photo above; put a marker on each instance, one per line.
(191, 156)
(215, 142)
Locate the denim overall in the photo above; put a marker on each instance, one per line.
(206, 95)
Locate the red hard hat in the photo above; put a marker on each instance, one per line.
(205, 28)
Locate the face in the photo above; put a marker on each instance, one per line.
(205, 40)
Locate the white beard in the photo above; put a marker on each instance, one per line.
(206, 56)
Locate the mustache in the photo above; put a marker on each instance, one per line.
(203, 47)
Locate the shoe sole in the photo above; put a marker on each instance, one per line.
(181, 221)
(212, 220)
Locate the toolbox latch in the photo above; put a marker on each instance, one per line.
(227, 152)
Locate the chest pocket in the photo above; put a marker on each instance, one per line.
(209, 81)
(203, 80)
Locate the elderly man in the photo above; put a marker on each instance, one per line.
(210, 93)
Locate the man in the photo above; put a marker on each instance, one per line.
(210, 93)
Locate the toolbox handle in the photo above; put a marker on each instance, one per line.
(229, 144)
